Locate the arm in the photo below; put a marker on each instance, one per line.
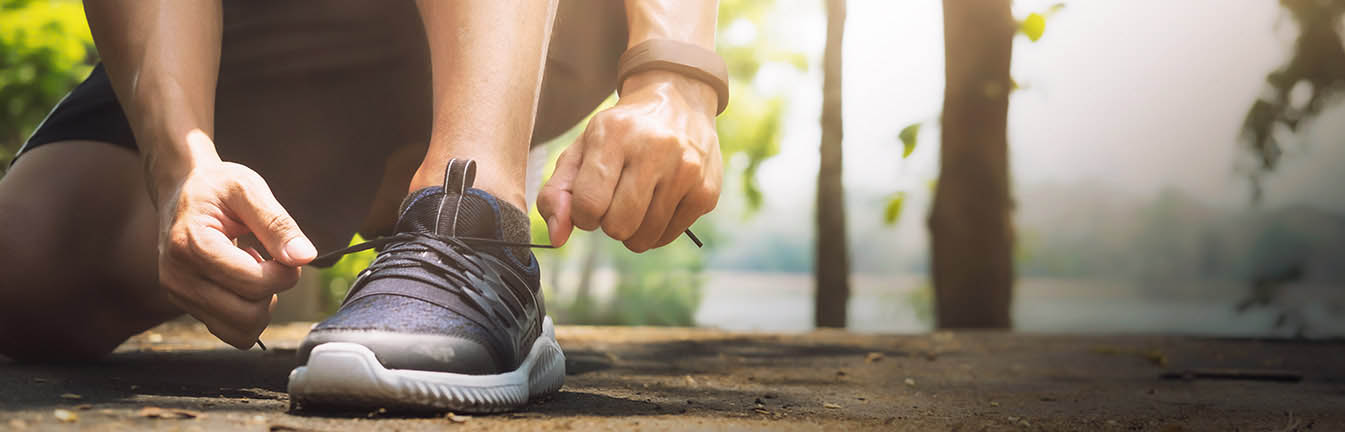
(647, 168)
(162, 58)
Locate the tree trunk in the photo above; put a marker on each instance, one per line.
(970, 224)
(832, 258)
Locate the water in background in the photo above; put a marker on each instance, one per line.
(783, 302)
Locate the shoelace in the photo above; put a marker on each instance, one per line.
(452, 266)
(381, 241)
(410, 253)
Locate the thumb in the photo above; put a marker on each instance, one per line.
(553, 202)
(272, 225)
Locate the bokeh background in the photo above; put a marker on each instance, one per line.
(1173, 166)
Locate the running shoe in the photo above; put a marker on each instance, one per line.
(448, 317)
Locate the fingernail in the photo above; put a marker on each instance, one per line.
(551, 222)
(300, 249)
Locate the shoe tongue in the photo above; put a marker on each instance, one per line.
(434, 210)
(458, 210)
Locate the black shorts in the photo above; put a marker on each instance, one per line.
(581, 63)
(89, 113)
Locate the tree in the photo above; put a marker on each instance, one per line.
(833, 256)
(970, 223)
(1318, 62)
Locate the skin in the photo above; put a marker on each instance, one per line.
(647, 168)
(643, 171)
(162, 58)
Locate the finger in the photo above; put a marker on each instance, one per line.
(629, 204)
(273, 226)
(232, 319)
(697, 203)
(237, 270)
(553, 202)
(255, 255)
(591, 194)
(656, 220)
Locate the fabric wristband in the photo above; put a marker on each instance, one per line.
(679, 57)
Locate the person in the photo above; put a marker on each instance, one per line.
(219, 146)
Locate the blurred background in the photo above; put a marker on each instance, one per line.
(901, 166)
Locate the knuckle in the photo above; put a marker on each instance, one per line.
(279, 224)
(706, 198)
(618, 229)
(588, 205)
(637, 245)
(258, 317)
(196, 249)
(179, 247)
(688, 170)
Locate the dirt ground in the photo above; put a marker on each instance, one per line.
(176, 377)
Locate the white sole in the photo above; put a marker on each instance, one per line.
(347, 375)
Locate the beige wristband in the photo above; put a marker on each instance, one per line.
(679, 57)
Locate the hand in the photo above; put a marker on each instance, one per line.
(231, 290)
(643, 170)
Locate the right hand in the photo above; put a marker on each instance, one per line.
(230, 289)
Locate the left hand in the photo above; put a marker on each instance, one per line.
(643, 170)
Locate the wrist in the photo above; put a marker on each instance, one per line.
(172, 129)
(697, 94)
(174, 157)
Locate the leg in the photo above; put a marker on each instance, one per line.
(79, 269)
(580, 73)
(487, 60)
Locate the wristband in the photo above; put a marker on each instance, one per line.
(680, 57)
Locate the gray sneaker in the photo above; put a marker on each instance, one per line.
(449, 316)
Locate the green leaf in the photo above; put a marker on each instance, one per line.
(908, 136)
(893, 210)
(1033, 26)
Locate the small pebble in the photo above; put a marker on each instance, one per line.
(65, 416)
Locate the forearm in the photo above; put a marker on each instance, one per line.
(692, 22)
(162, 57)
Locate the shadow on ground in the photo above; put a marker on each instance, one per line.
(632, 378)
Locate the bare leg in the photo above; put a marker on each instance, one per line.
(487, 58)
(78, 235)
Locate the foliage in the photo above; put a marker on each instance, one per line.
(45, 49)
(336, 279)
(1317, 63)
(907, 136)
(661, 287)
(1034, 26)
(921, 301)
(751, 123)
(892, 212)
